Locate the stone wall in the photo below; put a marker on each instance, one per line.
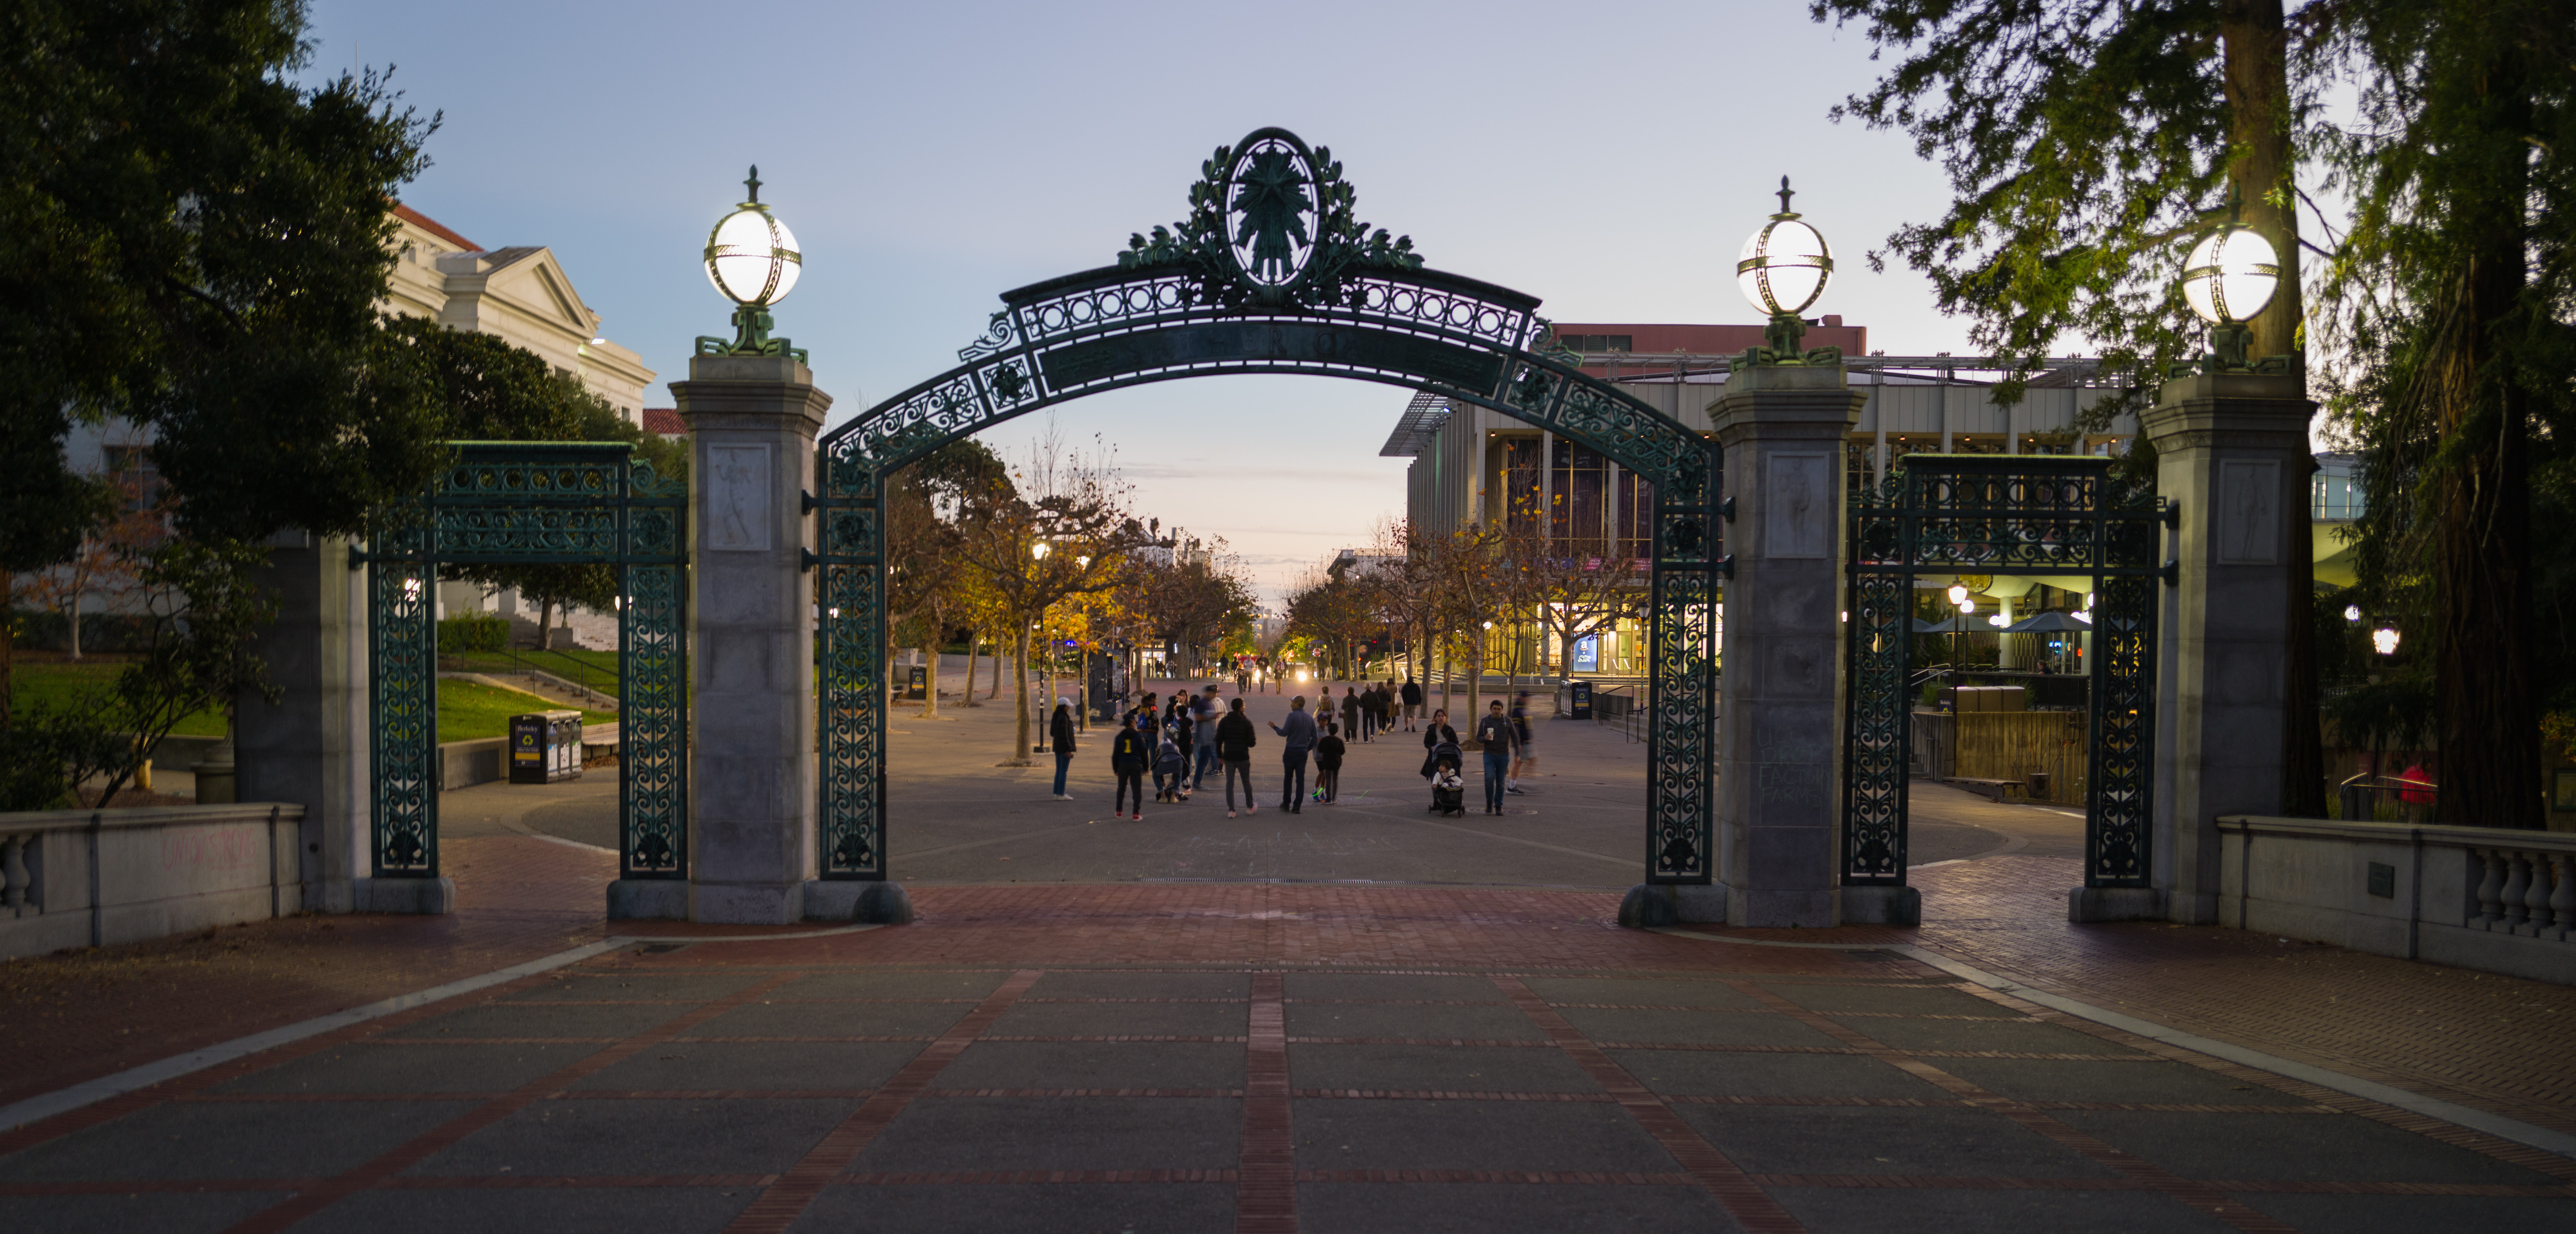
(86, 878)
(2476, 897)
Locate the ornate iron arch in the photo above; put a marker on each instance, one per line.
(1271, 273)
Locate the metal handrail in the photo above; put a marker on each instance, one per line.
(2362, 795)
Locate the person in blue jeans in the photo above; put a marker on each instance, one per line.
(1060, 739)
(1206, 712)
(1495, 731)
(1299, 733)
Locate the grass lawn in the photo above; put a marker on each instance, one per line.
(62, 683)
(468, 711)
(595, 669)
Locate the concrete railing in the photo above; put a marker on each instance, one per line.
(88, 878)
(2477, 897)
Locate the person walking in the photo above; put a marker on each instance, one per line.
(1412, 701)
(1060, 738)
(1368, 714)
(1525, 760)
(1171, 771)
(1299, 734)
(1234, 742)
(1328, 764)
(1204, 710)
(1128, 754)
(1350, 708)
(1494, 732)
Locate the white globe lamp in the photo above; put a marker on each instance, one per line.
(2228, 278)
(752, 260)
(1782, 270)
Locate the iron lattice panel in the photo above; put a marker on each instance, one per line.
(2122, 766)
(568, 503)
(1877, 736)
(402, 656)
(1448, 336)
(2001, 514)
(853, 693)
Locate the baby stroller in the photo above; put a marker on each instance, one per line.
(1448, 787)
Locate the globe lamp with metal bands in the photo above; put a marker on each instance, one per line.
(753, 261)
(1783, 269)
(2228, 279)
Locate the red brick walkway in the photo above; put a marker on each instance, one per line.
(76, 1017)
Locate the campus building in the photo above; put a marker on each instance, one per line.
(520, 294)
(1472, 465)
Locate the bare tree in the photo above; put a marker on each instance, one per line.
(1576, 588)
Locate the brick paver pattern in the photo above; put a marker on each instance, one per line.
(1256, 1058)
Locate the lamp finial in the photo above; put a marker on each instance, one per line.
(753, 183)
(1785, 194)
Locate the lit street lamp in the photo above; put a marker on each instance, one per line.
(2228, 279)
(753, 261)
(1783, 269)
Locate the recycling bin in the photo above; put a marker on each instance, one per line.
(545, 747)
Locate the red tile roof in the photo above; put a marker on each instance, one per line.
(434, 227)
(665, 421)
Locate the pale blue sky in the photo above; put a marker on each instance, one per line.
(1607, 157)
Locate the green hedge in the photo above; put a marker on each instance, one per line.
(480, 633)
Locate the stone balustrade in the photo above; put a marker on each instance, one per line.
(2477, 897)
(85, 878)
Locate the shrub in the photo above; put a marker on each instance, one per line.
(483, 632)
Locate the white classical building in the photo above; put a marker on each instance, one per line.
(520, 294)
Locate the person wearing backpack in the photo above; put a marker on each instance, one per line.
(1128, 754)
(1328, 765)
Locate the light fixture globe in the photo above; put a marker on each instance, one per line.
(1784, 267)
(753, 261)
(752, 258)
(2230, 275)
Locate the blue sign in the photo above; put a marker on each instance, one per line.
(1587, 654)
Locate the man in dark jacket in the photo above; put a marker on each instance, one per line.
(1234, 742)
(1412, 702)
(1328, 764)
(1128, 755)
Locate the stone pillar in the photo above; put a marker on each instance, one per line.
(1782, 429)
(753, 796)
(2232, 454)
(306, 748)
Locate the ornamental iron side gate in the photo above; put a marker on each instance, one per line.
(2002, 514)
(534, 503)
(1271, 273)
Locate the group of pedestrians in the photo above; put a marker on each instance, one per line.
(1181, 739)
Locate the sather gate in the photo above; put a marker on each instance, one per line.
(1270, 273)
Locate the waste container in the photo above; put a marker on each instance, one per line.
(1578, 699)
(545, 746)
(916, 681)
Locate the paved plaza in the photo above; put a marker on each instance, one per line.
(1302, 1025)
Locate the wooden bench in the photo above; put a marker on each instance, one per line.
(1993, 789)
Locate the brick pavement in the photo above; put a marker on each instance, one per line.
(1207, 1057)
(75, 1017)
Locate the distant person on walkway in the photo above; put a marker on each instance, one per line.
(1328, 765)
(1350, 708)
(1412, 701)
(1298, 732)
(1205, 711)
(1060, 739)
(1234, 742)
(1435, 735)
(1368, 713)
(1128, 755)
(1525, 761)
(1495, 732)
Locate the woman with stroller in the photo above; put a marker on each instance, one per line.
(1172, 769)
(1440, 765)
(1128, 755)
